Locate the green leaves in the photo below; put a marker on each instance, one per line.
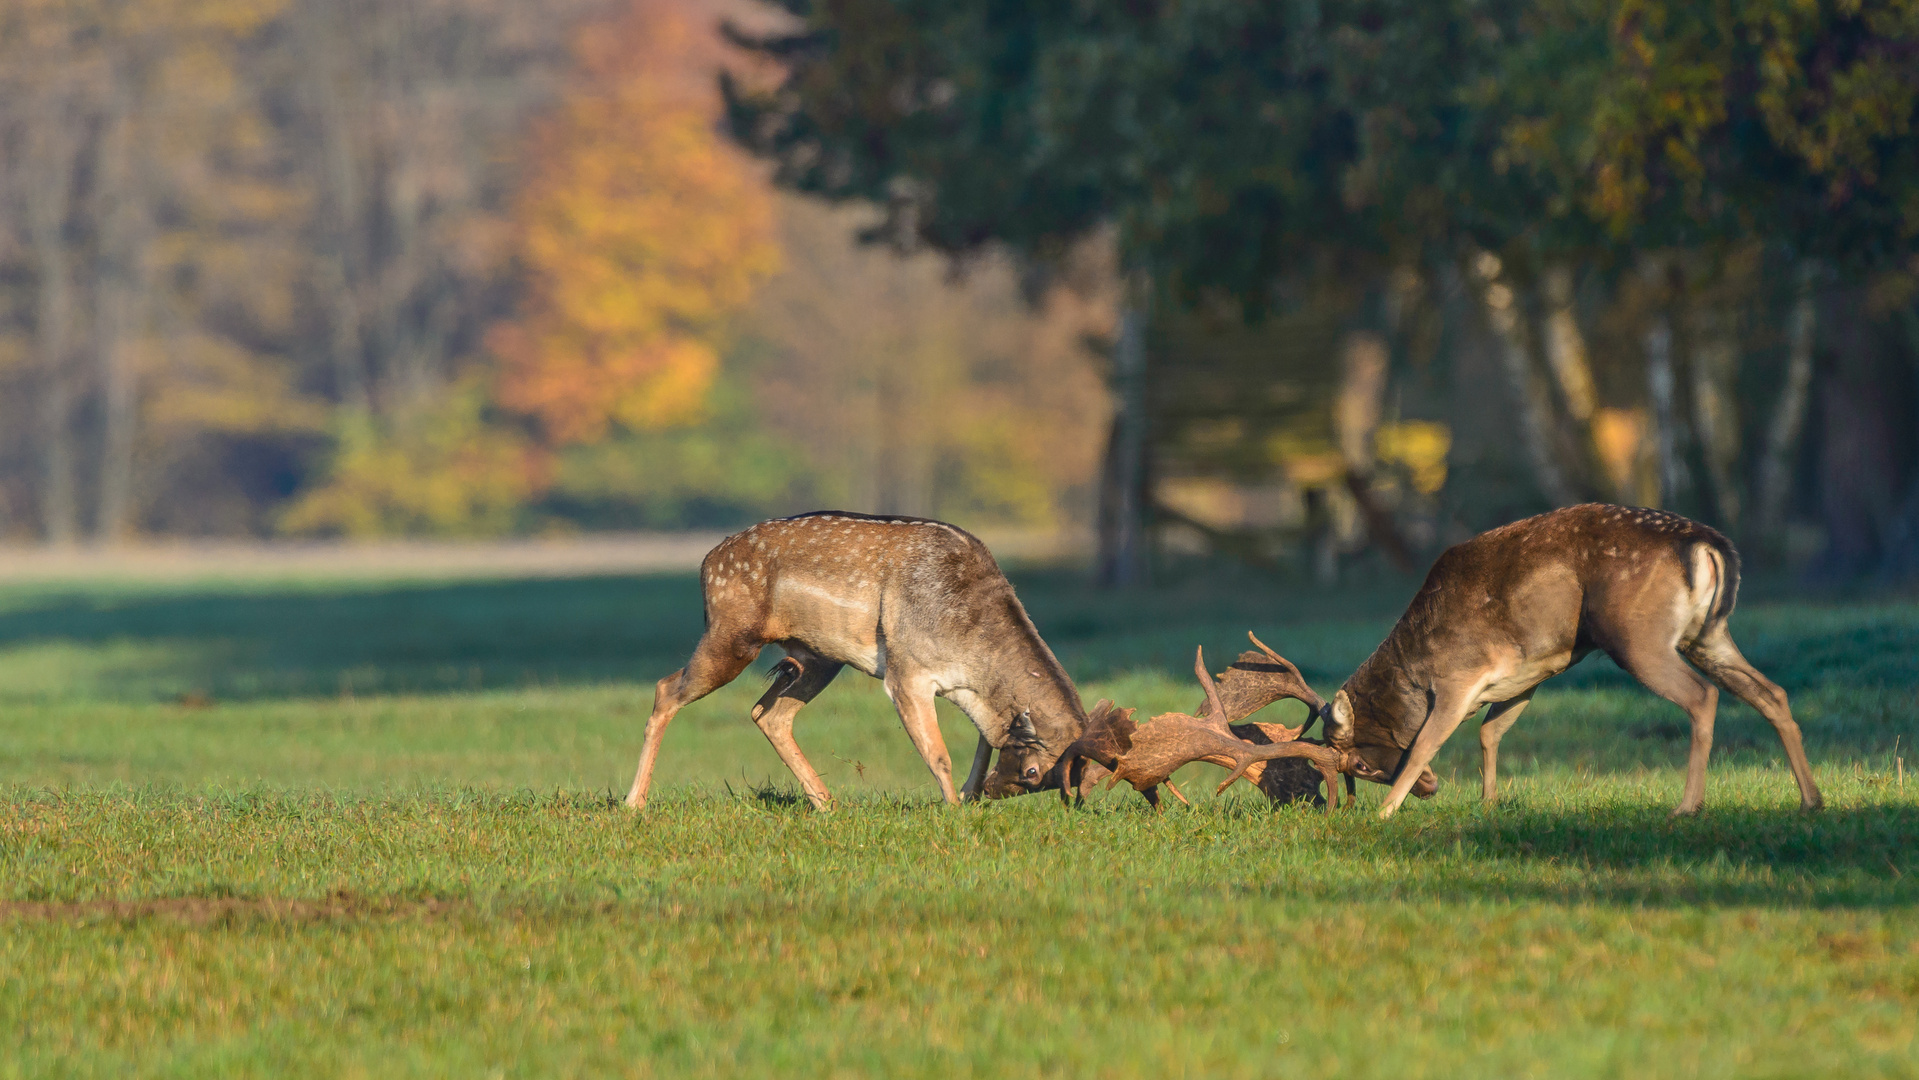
(1235, 143)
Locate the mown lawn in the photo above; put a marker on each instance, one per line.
(337, 829)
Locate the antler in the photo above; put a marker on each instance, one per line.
(1176, 739)
(1257, 679)
(1146, 757)
(1109, 734)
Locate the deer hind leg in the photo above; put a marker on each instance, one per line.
(798, 680)
(1715, 654)
(1499, 720)
(913, 699)
(714, 664)
(1663, 672)
(1451, 706)
(976, 777)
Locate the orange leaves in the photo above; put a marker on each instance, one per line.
(641, 234)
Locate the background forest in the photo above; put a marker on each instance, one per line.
(469, 267)
(1308, 285)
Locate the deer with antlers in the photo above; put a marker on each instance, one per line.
(1510, 608)
(1147, 756)
(918, 604)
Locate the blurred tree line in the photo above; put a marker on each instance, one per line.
(1298, 282)
(1649, 251)
(456, 267)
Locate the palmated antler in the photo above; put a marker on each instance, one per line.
(1176, 739)
(1257, 679)
(1108, 734)
(1254, 681)
(1146, 756)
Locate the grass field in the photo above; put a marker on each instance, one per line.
(327, 828)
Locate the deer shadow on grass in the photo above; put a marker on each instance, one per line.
(1842, 857)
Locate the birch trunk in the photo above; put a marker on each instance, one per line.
(1660, 384)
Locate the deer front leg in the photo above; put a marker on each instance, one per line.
(1499, 720)
(913, 698)
(1451, 706)
(976, 778)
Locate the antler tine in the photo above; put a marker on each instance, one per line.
(1215, 712)
(1268, 650)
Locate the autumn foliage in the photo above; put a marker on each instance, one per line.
(641, 233)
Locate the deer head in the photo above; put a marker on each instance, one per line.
(1029, 759)
(1380, 758)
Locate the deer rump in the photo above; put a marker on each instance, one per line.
(1272, 757)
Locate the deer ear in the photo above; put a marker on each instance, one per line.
(1021, 731)
(1339, 721)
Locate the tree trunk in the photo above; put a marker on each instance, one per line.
(54, 147)
(337, 264)
(1782, 435)
(1571, 365)
(1714, 357)
(1660, 385)
(1566, 347)
(1531, 401)
(1123, 495)
(1867, 444)
(1356, 412)
(1362, 395)
(119, 299)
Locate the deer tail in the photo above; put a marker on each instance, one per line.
(1718, 553)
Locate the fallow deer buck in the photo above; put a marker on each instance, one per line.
(1511, 608)
(917, 604)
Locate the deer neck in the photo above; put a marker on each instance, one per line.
(1025, 677)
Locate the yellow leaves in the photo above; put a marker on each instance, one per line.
(641, 234)
(440, 470)
(208, 384)
(1420, 447)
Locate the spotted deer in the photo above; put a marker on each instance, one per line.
(1511, 608)
(918, 604)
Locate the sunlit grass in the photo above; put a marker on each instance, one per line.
(417, 869)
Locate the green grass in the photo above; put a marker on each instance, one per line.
(377, 839)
